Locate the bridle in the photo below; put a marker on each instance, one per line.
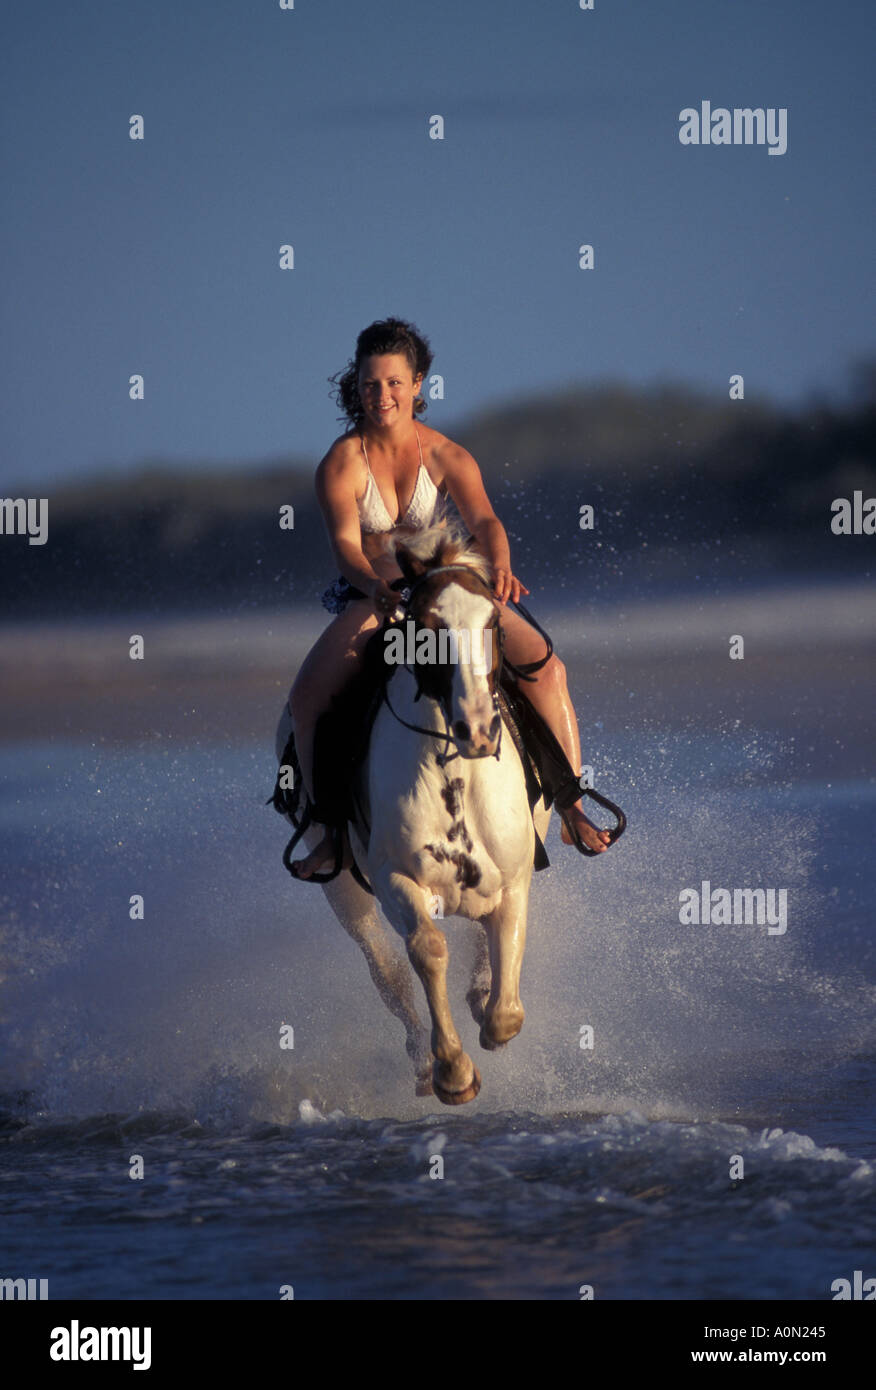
(406, 593)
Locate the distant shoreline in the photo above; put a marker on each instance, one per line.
(809, 653)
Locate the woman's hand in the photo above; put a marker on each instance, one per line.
(506, 586)
(384, 599)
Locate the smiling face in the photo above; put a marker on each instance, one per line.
(387, 389)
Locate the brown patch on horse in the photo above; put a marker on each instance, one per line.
(459, 829)
(451, 795)
(468, 873)
(466, 577)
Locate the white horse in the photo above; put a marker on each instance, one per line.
(443, 817)
(452, 827)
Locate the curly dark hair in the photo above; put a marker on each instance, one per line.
(383, 336)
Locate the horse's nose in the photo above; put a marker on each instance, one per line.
(482, 738)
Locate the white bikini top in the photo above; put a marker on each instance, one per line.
(423, 508)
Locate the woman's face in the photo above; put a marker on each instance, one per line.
(387, 388)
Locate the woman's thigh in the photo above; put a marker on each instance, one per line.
(336, 654)
(522, 642)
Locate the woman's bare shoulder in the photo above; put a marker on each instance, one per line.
(444, 454)
(342, 461)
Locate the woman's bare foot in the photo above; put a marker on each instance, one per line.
(592, 836)
(322, 857)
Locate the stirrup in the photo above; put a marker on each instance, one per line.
(323, 876)
(288, 802)
(571, 792)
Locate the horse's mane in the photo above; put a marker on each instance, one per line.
(443, 545)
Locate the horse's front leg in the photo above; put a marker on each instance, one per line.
(479, 988)
(455, 1078)
(506, 936)
(355, 910)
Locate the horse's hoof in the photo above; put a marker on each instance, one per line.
(511, 1025)
(458, 1097)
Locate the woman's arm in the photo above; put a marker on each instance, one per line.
(336, 495)
(465, 485)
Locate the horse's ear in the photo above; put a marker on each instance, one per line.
(410, 565)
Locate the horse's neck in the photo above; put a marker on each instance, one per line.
(413, 748)
(402, 691)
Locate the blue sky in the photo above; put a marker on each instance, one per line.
(310, 127)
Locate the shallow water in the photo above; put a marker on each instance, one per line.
(529, 1206)
(607, 1166)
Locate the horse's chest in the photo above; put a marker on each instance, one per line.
(460, 843)
(463, 831)
(452, 851)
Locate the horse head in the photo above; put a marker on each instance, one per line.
(453, 637)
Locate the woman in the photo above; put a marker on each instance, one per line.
(391, 474)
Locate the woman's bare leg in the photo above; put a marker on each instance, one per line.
(329, 664)
(549, 694)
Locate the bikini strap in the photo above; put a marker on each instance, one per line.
(365, 451)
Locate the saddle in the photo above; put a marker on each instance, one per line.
(341, 741)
